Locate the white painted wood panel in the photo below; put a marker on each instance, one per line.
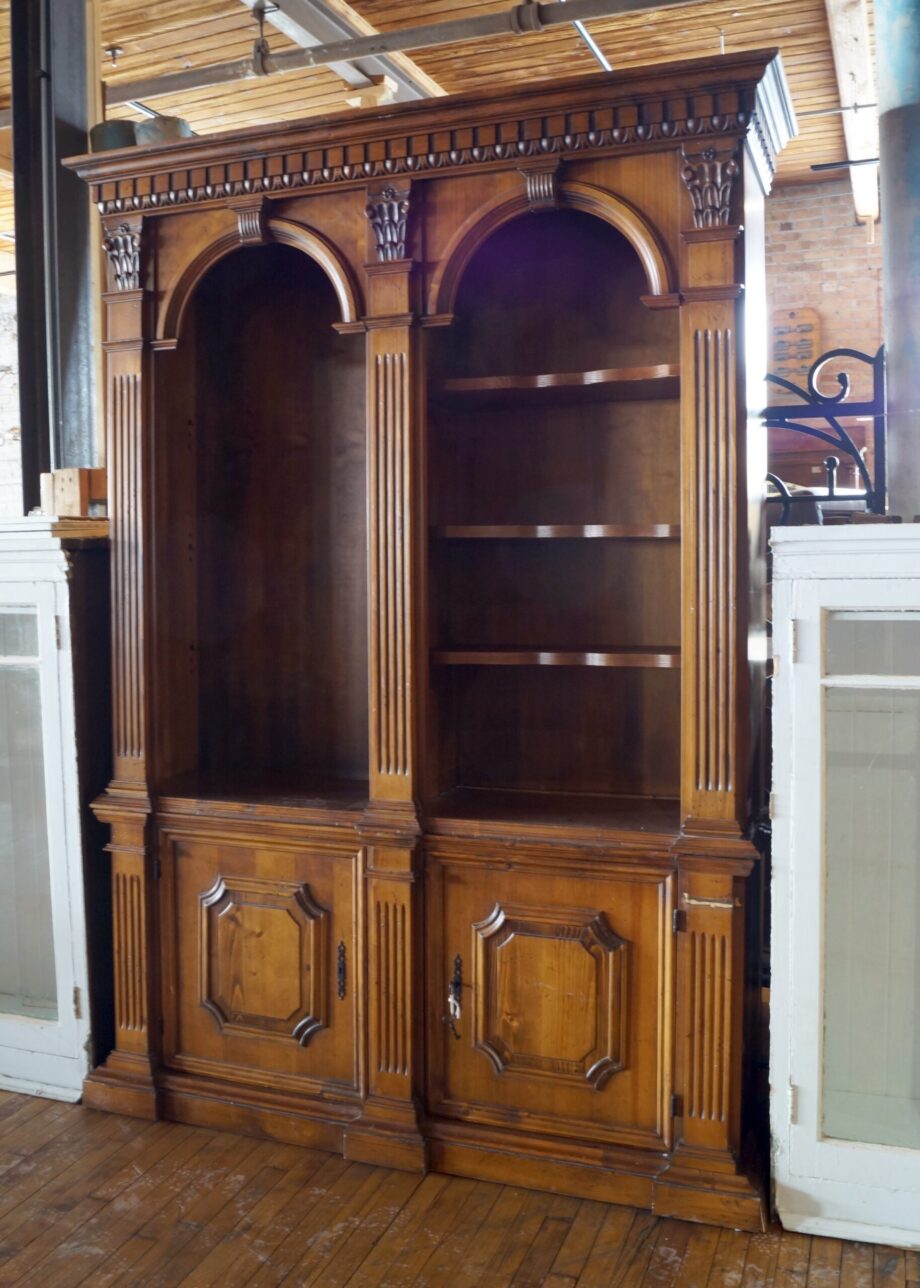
(44, 1024)
(845, 1000)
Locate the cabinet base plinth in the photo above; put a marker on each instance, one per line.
(513, 1167)
(692, 1190)
(123, 1085)
(743, 1208)
(387, 1134)
(295, 1120)
(384, 1149)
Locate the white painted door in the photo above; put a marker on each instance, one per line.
(43, 1022)
(845, 1001)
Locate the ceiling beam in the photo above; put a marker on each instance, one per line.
(848, 21)
(315, 22)
(521, 19)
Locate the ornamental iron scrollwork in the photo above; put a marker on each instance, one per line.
(831, 409)
(122, 246)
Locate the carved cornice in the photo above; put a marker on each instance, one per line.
(122, 245)
(174, 188)
(387, 213)
(637, 110)
(709, 175)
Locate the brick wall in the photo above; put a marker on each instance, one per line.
(10, 467)
(818, 257)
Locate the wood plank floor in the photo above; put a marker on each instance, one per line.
(91, 1198)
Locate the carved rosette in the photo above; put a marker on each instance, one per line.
(387, 211)
(122, 246)
(709, 176)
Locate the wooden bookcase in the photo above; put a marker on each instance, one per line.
(435, 587)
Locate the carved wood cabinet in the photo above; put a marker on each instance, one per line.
(436, 630)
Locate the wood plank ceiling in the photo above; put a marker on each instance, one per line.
(171, 35)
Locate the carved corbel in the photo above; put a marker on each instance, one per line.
(387, 213)
(250, 220)
(541, 184)
(122, 246)
(709, 175)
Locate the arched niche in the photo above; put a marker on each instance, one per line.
(286, 232)
(554, 502)
(592, 200)
(258, 509)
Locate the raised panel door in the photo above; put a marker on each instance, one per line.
(260, 962)
(550, 997)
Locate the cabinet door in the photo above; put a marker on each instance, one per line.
(260, 949)
(845, 999)
(560, 981)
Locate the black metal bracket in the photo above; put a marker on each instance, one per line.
(341, 968)
(830, 409)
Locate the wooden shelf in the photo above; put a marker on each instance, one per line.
(614, 384)
(558, 532)
(472, 810)
(626, 657)
(268, 795)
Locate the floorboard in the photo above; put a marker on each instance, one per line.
(93, 1199)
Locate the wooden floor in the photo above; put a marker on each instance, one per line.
(90, 1198)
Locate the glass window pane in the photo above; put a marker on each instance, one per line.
(18, 632)
(872, 643)
(27, 977)
(872, 949)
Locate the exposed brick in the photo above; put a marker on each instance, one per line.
(818, 257)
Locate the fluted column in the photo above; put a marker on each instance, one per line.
(125, 1082)
(388, 1130)
(714, 786)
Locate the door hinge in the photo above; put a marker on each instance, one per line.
(678, 921)
(341, 969)
(794, 639)
(772, 805)
(58, 632)
(77, 1003)
(677, 1106)
(793, 1104)
(155, 868)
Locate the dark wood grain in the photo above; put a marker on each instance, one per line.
(580, 387)
(431, 604)
(558, 531)
(510, 656)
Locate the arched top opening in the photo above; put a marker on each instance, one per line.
(556, 291)
(587, 198)
(259, 447)
(284, 232)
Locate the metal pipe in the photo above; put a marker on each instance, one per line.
(836, 111)
(521, 19)
(844, 165)
(591, 44)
